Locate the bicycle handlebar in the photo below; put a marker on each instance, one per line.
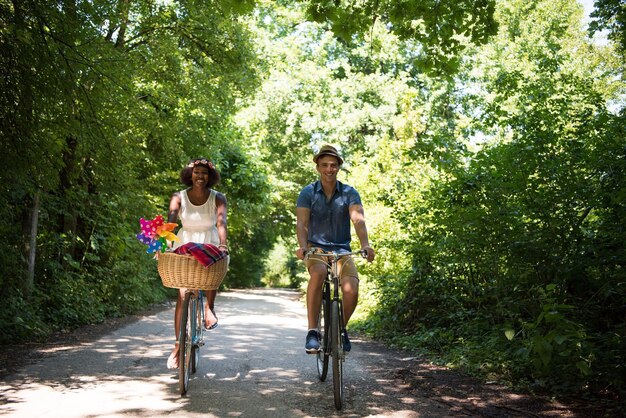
(333, 254)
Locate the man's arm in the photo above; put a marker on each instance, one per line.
(302, 230)
(357, 216)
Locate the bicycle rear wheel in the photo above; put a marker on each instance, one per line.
(337, 353)
(185, 344)
(324, 326)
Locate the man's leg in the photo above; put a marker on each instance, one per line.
(350, 297)
(317, 272)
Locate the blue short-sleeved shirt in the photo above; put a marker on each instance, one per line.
(329, 224)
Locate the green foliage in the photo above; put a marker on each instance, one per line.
(18, 321)
(283, 269)
(610, 15)
(440, 27)
(102, 104)
(504, 232)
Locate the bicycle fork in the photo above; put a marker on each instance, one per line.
(338, 301)
(198, 320)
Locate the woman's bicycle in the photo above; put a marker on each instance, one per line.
(184, 271)
(331, 322)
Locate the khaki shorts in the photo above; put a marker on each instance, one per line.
(346, 266)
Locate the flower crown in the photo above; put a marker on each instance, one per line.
(203, 161)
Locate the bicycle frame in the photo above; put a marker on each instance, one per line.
(332, 266)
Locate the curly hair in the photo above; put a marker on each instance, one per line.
(185, 173)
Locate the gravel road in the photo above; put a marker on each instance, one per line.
(253, 365)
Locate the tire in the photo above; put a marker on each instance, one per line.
(337, 354)
(195, 358)
(323, 356)
(184, 346)
(197, 337)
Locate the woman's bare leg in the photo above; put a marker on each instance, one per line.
(172, 361)
(210, 319)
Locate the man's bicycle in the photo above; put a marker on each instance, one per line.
(184, 271)
(331, 322)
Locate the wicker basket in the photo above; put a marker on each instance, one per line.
(185, 271)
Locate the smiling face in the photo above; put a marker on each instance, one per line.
(328, 167)
(200, 176)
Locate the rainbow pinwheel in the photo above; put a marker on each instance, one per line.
(155, 233)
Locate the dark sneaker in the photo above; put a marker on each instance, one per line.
(347, 346)
(312, 345)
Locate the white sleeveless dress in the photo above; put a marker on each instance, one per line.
(199, 223)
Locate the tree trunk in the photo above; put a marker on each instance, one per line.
(30, 243)
(69, 177)
(124, 9)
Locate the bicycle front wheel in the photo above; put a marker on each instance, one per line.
(197, 337)
(324, 327)
(185, 343)
(337, 353)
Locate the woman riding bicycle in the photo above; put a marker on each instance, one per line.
(202, 212)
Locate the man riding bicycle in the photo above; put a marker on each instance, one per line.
(323, 213)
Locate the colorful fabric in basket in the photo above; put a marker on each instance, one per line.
(206, 254)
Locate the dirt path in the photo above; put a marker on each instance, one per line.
(253, 366)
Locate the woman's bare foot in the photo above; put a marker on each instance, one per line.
(210, 319)
(172, 361)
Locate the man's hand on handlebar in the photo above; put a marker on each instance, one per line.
(366, 252)
(369, 253)
(301, 252)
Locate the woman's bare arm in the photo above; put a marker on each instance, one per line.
(222, 218)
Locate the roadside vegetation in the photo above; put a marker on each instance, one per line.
(487, 140)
